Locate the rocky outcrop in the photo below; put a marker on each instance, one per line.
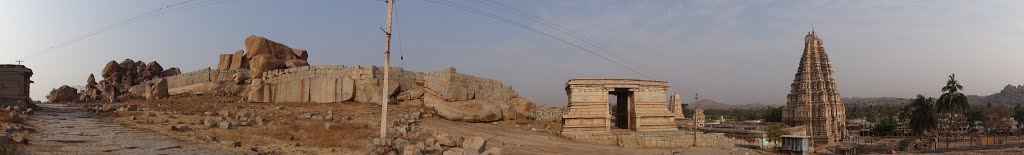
(91, 91)
(266, 55)
(224, 62)
(157, 89)
(63, 94)
(171, 72)
(110, 69)
(466, 111)
(120, 78)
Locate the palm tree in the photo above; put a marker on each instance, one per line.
(952, 102)
(922, 115)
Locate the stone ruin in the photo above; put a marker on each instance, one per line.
(639, 116)
(14, 85)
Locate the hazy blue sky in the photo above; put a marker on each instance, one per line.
(731, 51)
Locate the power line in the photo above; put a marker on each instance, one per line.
(463, 7)
(555, 27)
(169, 8)
(398, 34)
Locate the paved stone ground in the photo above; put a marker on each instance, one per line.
(71, 130)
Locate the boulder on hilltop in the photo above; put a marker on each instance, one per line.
(266, 55)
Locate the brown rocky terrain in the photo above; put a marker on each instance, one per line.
(267, 99)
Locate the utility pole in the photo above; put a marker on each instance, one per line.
(695, 118)
(387, 68)
(19, 62)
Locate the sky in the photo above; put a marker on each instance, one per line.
(737, 52)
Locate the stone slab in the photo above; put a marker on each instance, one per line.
(347, 86)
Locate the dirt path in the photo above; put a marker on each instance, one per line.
(519, 141)
(70, 130)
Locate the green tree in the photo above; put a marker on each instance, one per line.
(1018, 114)
(51, 93)
(774, 115)
(775, 132)
(885, 127)
(952, 101)
(922, 115)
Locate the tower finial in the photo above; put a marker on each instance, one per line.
(812, 29)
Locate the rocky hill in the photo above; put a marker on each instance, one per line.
(1010, 95)
(867, 101)
(712, 104)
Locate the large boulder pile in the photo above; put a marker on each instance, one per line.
(63, 94)
(118, 78)
(266, 55)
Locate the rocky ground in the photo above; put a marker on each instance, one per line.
(226, 125)
(72, 130)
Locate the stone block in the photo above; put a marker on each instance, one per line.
(238, 60)
(347, 89)
(224, 62)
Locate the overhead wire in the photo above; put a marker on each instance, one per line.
(555, 26)
(398, 35)
(159, 11)
(524, 26)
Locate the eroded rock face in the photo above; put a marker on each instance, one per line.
(301, 54)
(466, 111)
(158, 89)
(119, 78)
(91, 81)
(171, 72)
(64, 94)
(263, 63)
(239, 60)
(295, 63)
(266, 55)
(111, 68)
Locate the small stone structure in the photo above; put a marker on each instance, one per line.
(590, 112)
(640, 116)
(814, 100)
(14, 84)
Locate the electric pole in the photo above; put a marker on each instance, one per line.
(387, 68)
(19, 62)
(695, 118)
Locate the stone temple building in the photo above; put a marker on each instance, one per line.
(14, 82)
(814, 101)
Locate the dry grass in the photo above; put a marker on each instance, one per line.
(282, 127)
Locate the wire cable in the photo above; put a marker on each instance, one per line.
(476, 11)
(169, 8)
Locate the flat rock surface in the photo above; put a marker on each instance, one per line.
(71, 130)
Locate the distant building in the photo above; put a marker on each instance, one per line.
(14, 84)
(814, 100)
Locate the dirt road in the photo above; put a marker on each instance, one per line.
(71, 130)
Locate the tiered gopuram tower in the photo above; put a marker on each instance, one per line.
(814, 101)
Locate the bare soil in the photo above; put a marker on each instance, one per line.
(353, 126)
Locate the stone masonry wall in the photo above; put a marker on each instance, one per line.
(336, 83)
(204, 75)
